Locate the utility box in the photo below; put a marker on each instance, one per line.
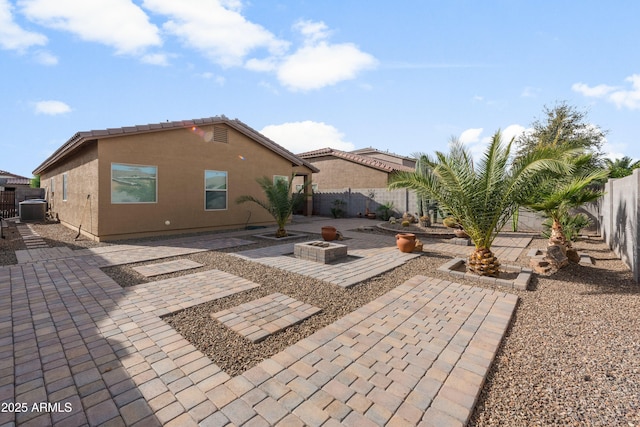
(33, 210)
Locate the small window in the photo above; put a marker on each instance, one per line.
(277, 178)
(215, 190)
(64, 186)
(134, 183)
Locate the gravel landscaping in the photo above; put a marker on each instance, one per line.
(570, 357)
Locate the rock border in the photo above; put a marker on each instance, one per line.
(521, 282)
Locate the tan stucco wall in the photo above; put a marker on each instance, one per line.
(338, 173)
(181, 157)
(82, 181)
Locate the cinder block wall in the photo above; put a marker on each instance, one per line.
(620, 213)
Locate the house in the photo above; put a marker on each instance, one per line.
(165, 178)
(13, 190)
(339, 169)
(357, 180)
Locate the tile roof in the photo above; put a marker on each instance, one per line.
(356, 158)
(369, 150)
(80, 138)
(13, 179)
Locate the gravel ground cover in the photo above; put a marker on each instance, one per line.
(570, 357)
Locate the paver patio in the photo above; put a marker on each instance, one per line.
(71, 335)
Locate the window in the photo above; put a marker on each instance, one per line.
(215, 190)
(64, 186)
(134, 183)
(277, 178)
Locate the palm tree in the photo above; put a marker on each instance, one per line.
(281, 200)
(620, 168)
(558, 194)
(482, 197)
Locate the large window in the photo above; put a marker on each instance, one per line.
(64, 186)
(215, 190)
(134, 183)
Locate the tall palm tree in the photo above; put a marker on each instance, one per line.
(482, 197)
(280, 201)
(620, 168)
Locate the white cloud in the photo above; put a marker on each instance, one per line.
(117, 23)
(155, 59)
(14, 37)
(46, 58)
(51, 107)
(299, 137)
(318, 63)
(512, 131)
(470, 136)
(221, 34)
(622, 98)
(530, 92)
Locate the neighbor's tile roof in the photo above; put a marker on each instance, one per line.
(356, 158)
(13, 179)
(82, 137)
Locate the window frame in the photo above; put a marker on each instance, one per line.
(132, 165)
(225, 190)
(65, 186)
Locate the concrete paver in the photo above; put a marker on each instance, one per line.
(71, 335)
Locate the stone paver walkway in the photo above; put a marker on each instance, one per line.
(361, 264)
(257, 319)
(167, 267)
(85, 351)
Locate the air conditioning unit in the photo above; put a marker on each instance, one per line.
(33, 210)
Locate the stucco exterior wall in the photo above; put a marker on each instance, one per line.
(181, 156)
(337, 173)
(81, 204)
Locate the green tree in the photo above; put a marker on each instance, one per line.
(620, 168)
(35, 182)
(280, 201)
(482, 196)
(563, 126)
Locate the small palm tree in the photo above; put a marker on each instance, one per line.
(482, 197)
(556, 196)
(281, 200)
(620, 168)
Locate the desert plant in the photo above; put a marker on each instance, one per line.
(482, 195)
(571, 226)
(280, 201)
(385, 210)
(337, 210)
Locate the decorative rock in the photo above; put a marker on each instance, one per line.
(556, 255)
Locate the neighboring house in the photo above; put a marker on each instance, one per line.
(358, 180)
(340, 169)
(386, 156)
(164, 178)
(13, 190)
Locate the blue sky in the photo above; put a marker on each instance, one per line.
(399, 76)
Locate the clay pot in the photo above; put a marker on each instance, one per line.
(460, 233)
(329, 233)
(406, 242)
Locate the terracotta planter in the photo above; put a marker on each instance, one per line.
(329, 233)
(406, 242)
(460, 233)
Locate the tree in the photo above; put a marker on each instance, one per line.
(482, 197)
(280, 201)
(557, 195)
(563, 126)
(35, 181)
(620, 168)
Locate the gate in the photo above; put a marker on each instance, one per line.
(7, 204)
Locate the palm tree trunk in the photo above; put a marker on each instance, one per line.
(483, 263)
(557, 235)
(281, 232)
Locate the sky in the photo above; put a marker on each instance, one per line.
(402, 76)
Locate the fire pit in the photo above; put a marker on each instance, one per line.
(319, 251)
